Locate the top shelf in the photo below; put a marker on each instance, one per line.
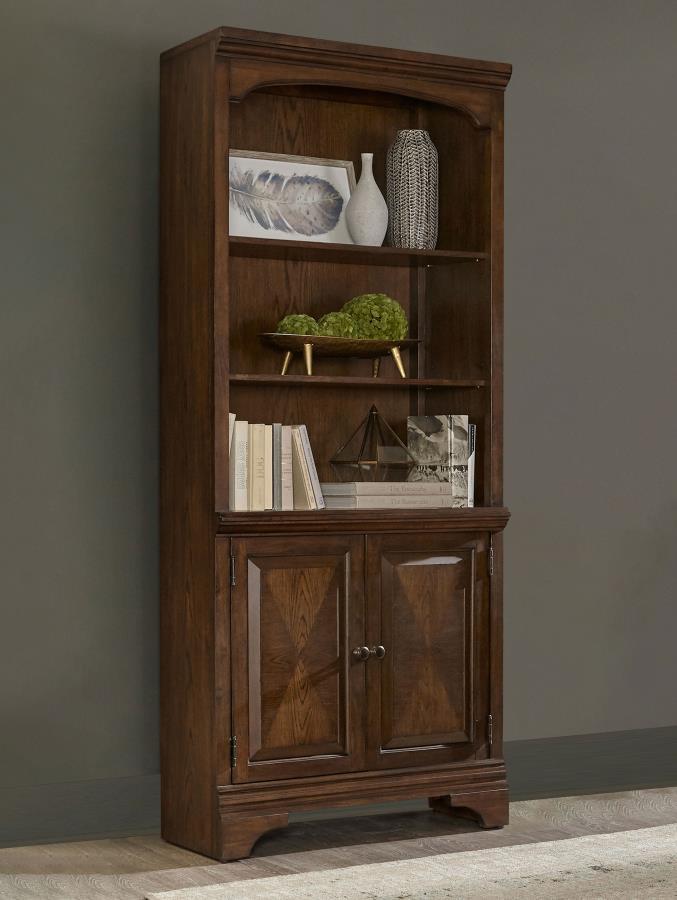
(264, 248)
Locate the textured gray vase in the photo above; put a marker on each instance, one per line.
(412, 189)
(366, 211)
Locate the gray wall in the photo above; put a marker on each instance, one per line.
(591, 317)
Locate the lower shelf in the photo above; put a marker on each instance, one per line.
(329, 381)
(479, 518)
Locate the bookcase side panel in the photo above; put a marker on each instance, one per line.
(221, 292)
(187, 447)
(495, 493)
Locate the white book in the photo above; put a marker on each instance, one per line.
(304, 496)
(472, 436)
(312, 470)
(287, 486)
(257, 469)
(277, 466)
(268, 466)
(410, 501)
(231, 426)
(386, 488)
(239, 467)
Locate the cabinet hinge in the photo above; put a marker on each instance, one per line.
(233, 751)
(490, 729)
(491, 561)
(232, 571)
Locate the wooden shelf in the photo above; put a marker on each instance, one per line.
(329, 381)
(483, 518)
(263, 248)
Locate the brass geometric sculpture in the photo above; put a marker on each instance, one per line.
(373, 452)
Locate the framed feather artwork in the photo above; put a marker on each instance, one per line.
(298, 198)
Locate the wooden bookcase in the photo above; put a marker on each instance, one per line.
(264, 708)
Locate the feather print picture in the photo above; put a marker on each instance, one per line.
(289, 197)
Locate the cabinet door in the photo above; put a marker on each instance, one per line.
(426, 597)
(298, 695)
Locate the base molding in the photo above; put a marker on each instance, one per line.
(359, 788)
(240, 833)
(490, 809)
(248, 811)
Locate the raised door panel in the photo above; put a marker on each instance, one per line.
(426, 596)
(297, 611)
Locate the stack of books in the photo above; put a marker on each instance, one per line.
(272, 468)
(444, 449)
(444, 475)
(387, 495)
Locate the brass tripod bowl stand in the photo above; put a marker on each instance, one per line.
(311, 345)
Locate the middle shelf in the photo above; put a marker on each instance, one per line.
(357, 381)
(309, 251)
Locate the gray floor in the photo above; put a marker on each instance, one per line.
(126, 868)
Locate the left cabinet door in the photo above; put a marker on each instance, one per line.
(297, 611)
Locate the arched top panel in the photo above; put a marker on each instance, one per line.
(482, 108)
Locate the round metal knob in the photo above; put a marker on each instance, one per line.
(361, 653)
(379, 652)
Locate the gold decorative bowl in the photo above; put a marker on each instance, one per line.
(319, 345)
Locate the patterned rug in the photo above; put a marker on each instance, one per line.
(629, 864)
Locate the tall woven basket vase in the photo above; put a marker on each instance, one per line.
(412, 190)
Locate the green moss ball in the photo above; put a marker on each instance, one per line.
(337, 324)
(377, 316)
(297, 324)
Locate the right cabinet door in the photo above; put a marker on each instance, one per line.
(427, 614)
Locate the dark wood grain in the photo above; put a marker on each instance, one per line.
(264, 248)
(297, 612)
(240, 833)
(355, 381)
(187, 745)
(354, 788)
(222, 662)
(332, 521)
(427, 593)
(244, 42)
(267, 658)
(489, 808)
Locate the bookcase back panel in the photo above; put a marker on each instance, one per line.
(465, 195)
(458, 321)
(262, 291)
(332, 124)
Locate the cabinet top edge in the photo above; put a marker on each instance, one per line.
(477, 518)
(246, 42)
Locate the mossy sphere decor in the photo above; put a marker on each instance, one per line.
(337, 324)
(297, 324)
(377, 317)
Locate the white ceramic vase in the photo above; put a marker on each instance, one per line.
(367, 211)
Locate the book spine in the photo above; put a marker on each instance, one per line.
(268, 466)
(303, 490)
(231, 428)
(312, 470)
(277, 467)
(472, 435)
(257, 471)
(385, 488)
(412, 501)
(239, 468)
(286, 476)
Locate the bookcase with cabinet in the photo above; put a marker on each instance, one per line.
(325, 658)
